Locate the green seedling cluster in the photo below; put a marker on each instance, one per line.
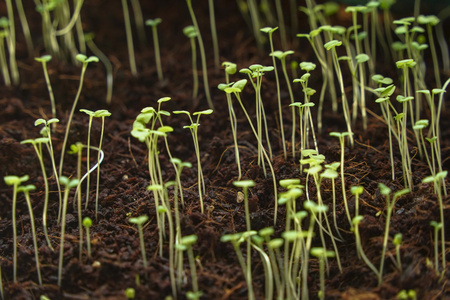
(286, 250)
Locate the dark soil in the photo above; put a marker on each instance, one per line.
(116, 262)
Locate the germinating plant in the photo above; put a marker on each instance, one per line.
(194, 132)
(85, 61)
(26, 190)
(68, 185)
(44, 59)
(15, 181)
(140, 221)
(37, 145)
(87, 223)
(154, 24)
(191, 33)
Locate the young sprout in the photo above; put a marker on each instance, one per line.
(129, 33)
(88, 179)
(186, 244)
(265, 234)
(237, 88)
(190, 32)
(102, 113)
(37, 145)
(194, 132)
(46, 132)
(212, 22)
(26, 190)
(331, 45)
(245, 185)
(87, 223)
(44, 59)
(386, 107)
(130, 293)
(355, 228)
(356, 191)
(4, 23)
(437, 181)
(257, 244)
(386, 191)
(437, 226)
(180, 166)
(431, 21)
(270, 32)
(233, 121)
(11, 42)
(202, 54)
(154, 24)
(257, 71)
(397, 241)
(15, 181)
(321, 254)
(236, 240)
(85, 61)
(68, 184)
(139, 221)
(341, 137)
(331, 173)
(282, 57)
(89, 38)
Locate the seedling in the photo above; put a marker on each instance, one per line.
(257, 244)
(129, 34)
(257, 71)
(26, 190)
(321, 254)
(331, 173)
(212, 22)
(44, 60)
(11, 42)
(356, 191)
(101, 114)
(87, 223)
(202, 54)
(355, 228)
(68, 184)
(270, 32)
(386, 191)
(233, 122)
(46, 132)
(190, 32)
(194, 132)
(154, 24)
(130, 293)
(437, 227)
(341, 137)
(85, 61)
(245, 185)
(4, 23)
(331, 45)
(282, 57)
(89, 38)
(437, 181)
(139, 221)
(37, 145)
(397, 241)
(236, 240)
(15, 181)
(265, 234)
(186, 244)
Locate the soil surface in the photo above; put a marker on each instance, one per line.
(116, 262)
